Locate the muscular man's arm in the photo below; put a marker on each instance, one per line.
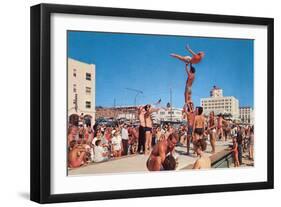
(162, 153)
(196, 165)
(81, 157)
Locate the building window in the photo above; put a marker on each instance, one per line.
(74, 72)
(88, 90)
(162, 113)
(88, 104)
(88, 76)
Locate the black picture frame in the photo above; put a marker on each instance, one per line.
(41, 102)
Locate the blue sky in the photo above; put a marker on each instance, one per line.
(143, 62)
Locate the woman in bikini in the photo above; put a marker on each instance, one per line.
(196, 57)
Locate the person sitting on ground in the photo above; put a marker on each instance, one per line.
(72, 145)
(100, 154)
(203, 161)
(196, 58)
(76, 156)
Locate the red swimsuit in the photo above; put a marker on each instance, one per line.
(196, 58)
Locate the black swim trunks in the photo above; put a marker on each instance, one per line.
(199, 131)
(148, 129)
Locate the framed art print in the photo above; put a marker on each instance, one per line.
(132, 103)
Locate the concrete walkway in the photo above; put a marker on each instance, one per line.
(137, 163)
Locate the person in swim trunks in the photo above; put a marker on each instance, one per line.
(220, 134)
(198, 126)
(189, 82)
(160, 151)
(190, 115)
(148, 126)
(196, 58)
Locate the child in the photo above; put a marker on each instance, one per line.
(196, 58)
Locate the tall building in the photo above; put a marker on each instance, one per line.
(220, 104)
(246, 115)
(81, 91)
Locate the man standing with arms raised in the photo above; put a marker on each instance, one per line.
(148, 127)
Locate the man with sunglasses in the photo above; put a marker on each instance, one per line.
(160, 151)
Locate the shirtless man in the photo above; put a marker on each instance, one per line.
(203, 161)
(148, 127)
(198, 126)
(141, 143)
(189, 82)
(76, 156)
(196, 58)
(226, 129)
(160, 151)
(212, 131)
(190, 116)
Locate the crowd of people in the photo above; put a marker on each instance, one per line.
(102, 143)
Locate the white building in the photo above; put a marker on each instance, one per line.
(220, 104)
(81, 91)
(246, 115)
(168, 114)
